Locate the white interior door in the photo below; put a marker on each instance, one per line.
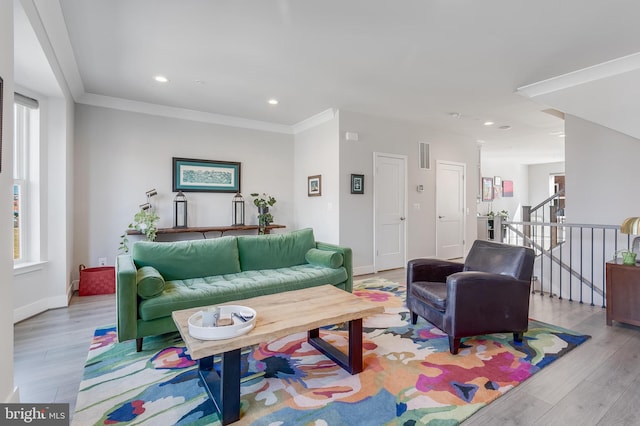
(389, 211)
(450, 209)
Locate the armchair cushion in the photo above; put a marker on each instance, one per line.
(433, 294)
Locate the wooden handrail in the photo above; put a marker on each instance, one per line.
(556, 195)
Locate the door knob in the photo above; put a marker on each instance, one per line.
(402, 217)
(440, 217)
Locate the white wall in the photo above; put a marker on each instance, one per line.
(316, 153)
(539, 181)
(601, 169)
(507, 170)
(47, 284)
(379, 134)
(120, 155)
(7, 391)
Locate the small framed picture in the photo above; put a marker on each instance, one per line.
(314, 186)
(357, 184)
(507, 188)
(497, 180)
(487, 189)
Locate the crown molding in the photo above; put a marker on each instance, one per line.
(585, 75)
(205, 117)
(315, 120)
(182, 113)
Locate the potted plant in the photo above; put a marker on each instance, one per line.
(263, 202)
(628, 257)
(145, 221)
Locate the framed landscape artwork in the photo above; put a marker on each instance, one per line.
(314, 186)
(190, 175)
(357, 184)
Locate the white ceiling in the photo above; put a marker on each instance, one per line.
(415, 60)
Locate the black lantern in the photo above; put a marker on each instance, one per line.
(180, 211)
(238, 209)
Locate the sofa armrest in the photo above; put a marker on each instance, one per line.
(126, 298)
(431, 270)
(347, 261)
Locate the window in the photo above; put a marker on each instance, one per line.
(25, 180)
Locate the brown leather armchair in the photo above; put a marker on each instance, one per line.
(487, 294)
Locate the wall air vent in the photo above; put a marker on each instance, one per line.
(424, 156)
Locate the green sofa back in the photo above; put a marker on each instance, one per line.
(189, 259)
(275, 250)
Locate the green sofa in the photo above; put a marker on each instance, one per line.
(156, 278)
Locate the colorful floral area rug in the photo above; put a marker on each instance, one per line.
(409, 375)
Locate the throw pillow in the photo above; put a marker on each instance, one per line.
(150, 282)
(326, 258)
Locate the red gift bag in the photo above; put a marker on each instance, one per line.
(101, 280)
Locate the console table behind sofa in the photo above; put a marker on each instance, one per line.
(204, 229)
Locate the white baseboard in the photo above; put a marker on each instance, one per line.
(363, 270)
(40, 306)
(30, 310)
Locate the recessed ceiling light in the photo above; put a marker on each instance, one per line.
(489, 123)
(161, 79)
(201, 82)
(504, 127)
(273, 101)
(455, 114)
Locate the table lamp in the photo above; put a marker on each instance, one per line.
(631, 226)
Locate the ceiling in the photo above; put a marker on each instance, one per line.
(415, 60)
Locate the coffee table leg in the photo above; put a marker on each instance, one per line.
(351, 362)
(223, 389)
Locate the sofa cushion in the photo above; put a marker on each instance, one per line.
(274, 250)
(188, 259)
(150, 282)
(326, 258)
(191, 293)
(434, 294)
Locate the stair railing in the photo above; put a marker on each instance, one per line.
(575, 267)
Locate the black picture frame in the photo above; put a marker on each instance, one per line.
(193, 175)
(357, 184)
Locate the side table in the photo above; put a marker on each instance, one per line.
(623, 293)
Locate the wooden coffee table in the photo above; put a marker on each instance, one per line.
(278, 315)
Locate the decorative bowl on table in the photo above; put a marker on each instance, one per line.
(244, 319)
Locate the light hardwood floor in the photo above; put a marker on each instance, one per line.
(596, 384)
